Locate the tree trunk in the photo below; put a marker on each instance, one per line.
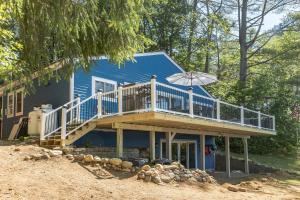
(192, 31)
(243, 45)
(208, 38)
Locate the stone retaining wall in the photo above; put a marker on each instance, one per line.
(108, 152)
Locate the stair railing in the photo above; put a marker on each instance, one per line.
(51, 121)
(78, 115)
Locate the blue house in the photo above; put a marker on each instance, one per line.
(133, 106)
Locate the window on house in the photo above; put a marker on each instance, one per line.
(10, 104)
(19, 102)
(105, 85)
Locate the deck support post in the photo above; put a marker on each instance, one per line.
(187, 155)
(202, 152)
(178, 152)
(152, 145)
(120, 99)
(153, 93)
(119, 143)
(245, 142)
(227, 155)
(169, 145)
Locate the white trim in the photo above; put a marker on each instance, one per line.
(179, 142)
(96, 78)
(22, 104)
(9, 115)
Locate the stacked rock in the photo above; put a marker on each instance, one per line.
(172, 173)
(45, 154)
(113, 163)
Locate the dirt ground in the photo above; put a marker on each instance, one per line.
(59, 178)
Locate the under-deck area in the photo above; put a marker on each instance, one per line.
(172, 124)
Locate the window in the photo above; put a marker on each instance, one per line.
(19, 102)
(10, 104)
(105, 85)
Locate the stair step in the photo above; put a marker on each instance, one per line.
(54, 140)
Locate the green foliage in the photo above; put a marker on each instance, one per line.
(9, 46)
(270, 91)
(75, 31)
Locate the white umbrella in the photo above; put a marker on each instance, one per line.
(192, 78)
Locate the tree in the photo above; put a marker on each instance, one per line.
(270, 90)
(166, 25)
(250, 19)
(9, 46)
(75, 31)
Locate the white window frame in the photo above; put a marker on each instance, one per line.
(9, 115)
(95, 78)
(22, 102)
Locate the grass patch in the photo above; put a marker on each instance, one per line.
(286, 162)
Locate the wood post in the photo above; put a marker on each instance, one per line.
(120, 100)
(153, 93)
(152, 145)
(178, 152)
(202, 152)
(99, 104)
(119, 143)
(242, 116)
(63, 122)
(191, 103)
(227, 155)
(187, 155)
(43, 126)
(259, 119)
(78, 109)
(246, 156)
(168, 146)
(218, 110)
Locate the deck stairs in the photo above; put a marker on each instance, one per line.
(55, 139)
(68, 123)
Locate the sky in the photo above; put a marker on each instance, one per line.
(272, 20)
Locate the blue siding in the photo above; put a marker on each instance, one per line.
(140, 70)
(54, 92)
(130, 72)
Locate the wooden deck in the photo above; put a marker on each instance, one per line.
(166, 122)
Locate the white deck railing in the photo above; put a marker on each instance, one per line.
(145, 97)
